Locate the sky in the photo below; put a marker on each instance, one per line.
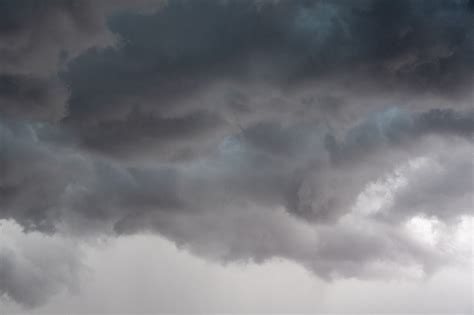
(236, 156)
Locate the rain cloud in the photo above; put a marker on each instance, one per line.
(239, 130)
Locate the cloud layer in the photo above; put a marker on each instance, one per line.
(316, 131)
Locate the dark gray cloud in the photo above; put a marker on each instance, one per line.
(245, 202)
(240, 130)
(170, 59)
(25, 97)
(169, 138)
(301, 38)
(38, 39)
(92, 189)
(395, 127)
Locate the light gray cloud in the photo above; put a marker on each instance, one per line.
(35, 266)
(443, 187)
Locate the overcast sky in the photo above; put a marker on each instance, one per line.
(244, 156)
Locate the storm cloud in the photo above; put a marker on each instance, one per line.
(315, 131)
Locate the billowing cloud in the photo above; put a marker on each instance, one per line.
(34, 266)
(316, 131)
(38, 39)
(235, 59)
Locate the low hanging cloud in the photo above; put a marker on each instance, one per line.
(35, 266)
(240, 130)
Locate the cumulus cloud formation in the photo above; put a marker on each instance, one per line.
(316, 131)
